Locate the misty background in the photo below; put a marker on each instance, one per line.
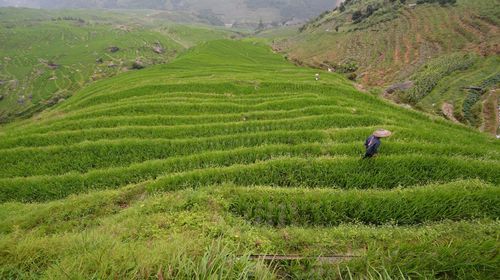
(222, 12)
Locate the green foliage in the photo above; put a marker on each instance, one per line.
(349, 173)
(394, 43)
(359, 16)
(121, 180)
(441, 2)
(470, 102)
(490, 82)
(455, 201)
(429, 75)
(438, 258)
(463, 89)
(46, 59)
(348, 66)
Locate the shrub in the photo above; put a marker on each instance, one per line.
(137, 65)
(441, 2)
(471, 110)
(428, 76)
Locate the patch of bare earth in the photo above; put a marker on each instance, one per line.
(322, 259)
(359, 87)
(447, 110)
(396, 58)
(491, 114)
(408, 48)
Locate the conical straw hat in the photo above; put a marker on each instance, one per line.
(382, 133)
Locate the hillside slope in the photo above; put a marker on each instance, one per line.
(154, 174)
(385, 43)
(47, 55)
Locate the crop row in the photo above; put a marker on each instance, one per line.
(42, 188)
(355, 148)
(453, 201)
(162, 120)
(173, 132)
(401, 143)
(186, 108)
(341, 172)
(419, 133)
(83, 157)
(429, 75)
(200, 101)
(310, 98)
(48, 187)
(218, 88)
(201, 98)
(165, 120)
(213, 96)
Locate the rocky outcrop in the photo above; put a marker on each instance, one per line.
(113, 49)
(399, 87)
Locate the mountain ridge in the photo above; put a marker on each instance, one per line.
(227, 11)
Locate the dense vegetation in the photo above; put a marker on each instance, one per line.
(443, 47)
(47, 56)
(184, 170)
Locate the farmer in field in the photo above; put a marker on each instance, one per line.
(373, 142)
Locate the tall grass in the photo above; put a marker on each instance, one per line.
(86, 156)
(346, 173)
(454, 201)
(121, 181)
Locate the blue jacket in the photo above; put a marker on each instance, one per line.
(371, 145)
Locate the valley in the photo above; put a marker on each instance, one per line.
(152, 144)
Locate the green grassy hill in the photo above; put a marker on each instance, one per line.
(47, 55)
(386, 42)
(184, 170)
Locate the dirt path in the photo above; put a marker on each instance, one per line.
(360, 87)
(396, 58)
(178, 41)
(322, 259)
(468, 27)
(411, 22)
(491, 114)
(492, 28)
(408, 48)
(447, 109)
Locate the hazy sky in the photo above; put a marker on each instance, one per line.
(224, 9)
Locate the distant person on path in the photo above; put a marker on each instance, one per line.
(373, 142)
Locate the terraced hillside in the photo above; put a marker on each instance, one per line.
(185, 170)
(45, 56)
(386, 43)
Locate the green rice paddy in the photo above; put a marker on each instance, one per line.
(185, 170)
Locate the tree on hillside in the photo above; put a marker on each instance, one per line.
(370, 9)
(261, 25)
(450, 2)
(357, 16)
(441, 2)
(342, 8)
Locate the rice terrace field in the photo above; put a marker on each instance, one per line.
(192, 169)
(48, 55)
(443, 49)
